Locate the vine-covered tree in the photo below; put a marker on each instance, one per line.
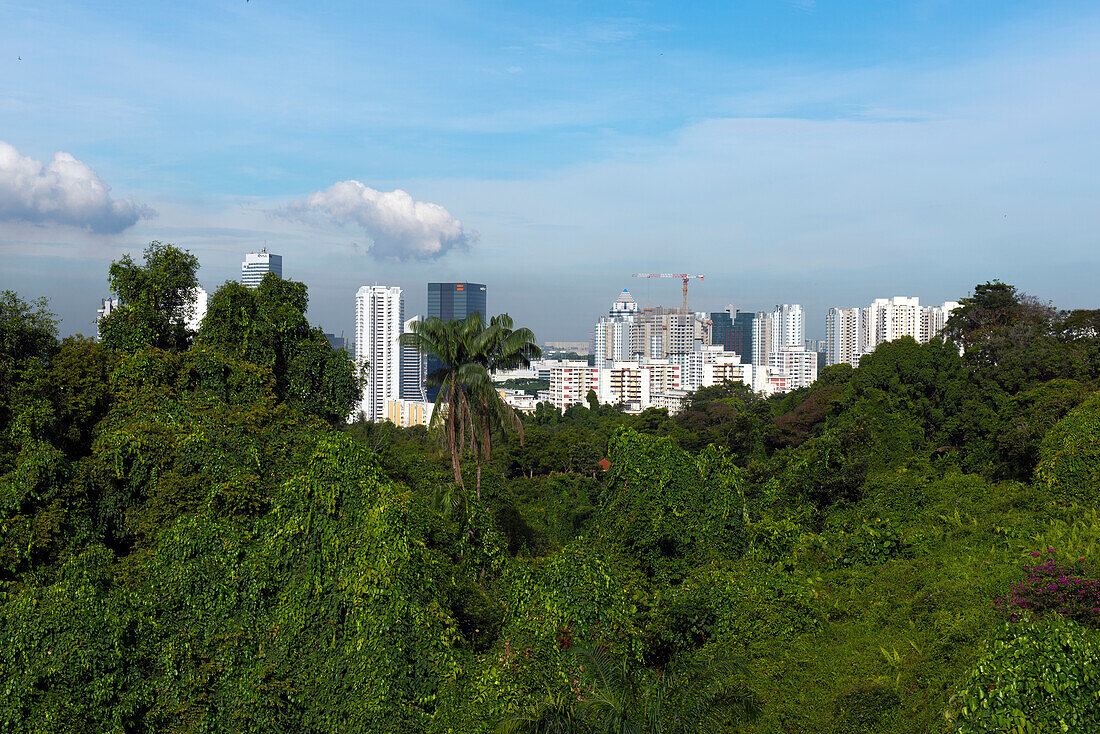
(155, 300)
(267, 326)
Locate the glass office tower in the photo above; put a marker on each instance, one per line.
(450, 301)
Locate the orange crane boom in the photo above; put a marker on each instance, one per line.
(683, 276)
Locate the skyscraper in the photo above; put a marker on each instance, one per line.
(258, 264)
(449, 301)
(414, 367)
(732, 330)
(611, 334)
(788, 329)
(379, 320)
(742, 335)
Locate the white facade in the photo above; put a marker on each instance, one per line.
(694, 365)
(788, 328)
(379, 321)
(844, 336)
(258, 264)
(570, 382)
(640, 385)
(198, 309)
(414, 367)
(518, 399)
(611, 334)
(762, 337)
(851, 333)
(727, 370)
(107, 306)
(795, 362)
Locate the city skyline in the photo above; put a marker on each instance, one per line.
(810, 152)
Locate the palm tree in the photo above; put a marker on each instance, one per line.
(555, 713)
(468, 407)
(695, 693)
(500, 348)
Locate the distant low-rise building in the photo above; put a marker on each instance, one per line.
(408, 413)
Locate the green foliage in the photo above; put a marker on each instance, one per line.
(28, 337)
(155, 300)
(1069, 456)
(862, 708)
(1035, 677)
(267, 326)
(70, 659)
(184, 548)
(670, 509)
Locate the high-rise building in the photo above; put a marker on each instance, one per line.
(742, 335)
(258, 264)
(611, 335)
(450, 301)
(851, 333)
(761, 337)
(721, 330)
(788, 328)
(844, 336)
(657, 333)
(732, 330)
(107, 306)
(797, 363)
(414, 368)
(379, 320)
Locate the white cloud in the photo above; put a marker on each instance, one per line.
(399, 227)
(65, 191)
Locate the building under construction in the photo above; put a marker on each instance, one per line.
(630, 333)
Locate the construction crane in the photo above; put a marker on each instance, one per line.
(683, 276)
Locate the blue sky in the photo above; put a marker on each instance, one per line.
(822, 152)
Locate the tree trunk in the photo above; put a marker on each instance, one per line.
(451, 418)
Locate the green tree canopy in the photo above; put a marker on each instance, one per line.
(155, 300)
(267, 326)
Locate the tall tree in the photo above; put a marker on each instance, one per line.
(453, 343)
(468, 406)
(155, 300)
(499, 347)
(268, 326)
(28, 335)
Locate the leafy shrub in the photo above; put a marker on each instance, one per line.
(1069, 457)
(1062, 588)
(875, 542)
(1037, 677)
(861, 708)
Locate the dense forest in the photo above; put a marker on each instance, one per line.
(193, 539)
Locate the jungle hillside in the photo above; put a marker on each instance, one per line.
(193, 538)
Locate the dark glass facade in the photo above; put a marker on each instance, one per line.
(449, 301)
(733, 332)
(742, 335)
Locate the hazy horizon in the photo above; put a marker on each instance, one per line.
(822, 153)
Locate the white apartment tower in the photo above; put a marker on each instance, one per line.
(611, 335)
(414, 367)
(787, 327)
(851, 333)
(844, 336)
(795, 362)
(379, 321)
(258, 264)
(762, 337)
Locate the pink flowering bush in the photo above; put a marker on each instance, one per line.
(1068, 588)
